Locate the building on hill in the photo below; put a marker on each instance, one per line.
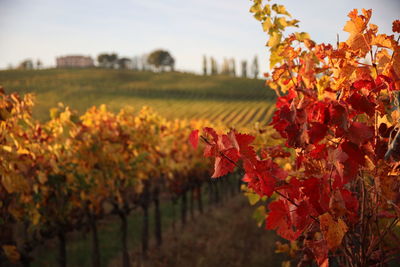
(74, 61)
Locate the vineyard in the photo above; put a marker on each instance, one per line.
(324, 174)
(72, 172)
(236, 102)
(174, 95)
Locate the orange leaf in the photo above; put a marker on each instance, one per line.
(359, 42)
(333, 231)
(11, 253)
(356, 24)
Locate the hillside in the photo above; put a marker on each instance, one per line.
(236, 101)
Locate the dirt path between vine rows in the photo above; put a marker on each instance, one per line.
(225, 235)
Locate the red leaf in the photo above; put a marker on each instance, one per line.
(320, 251)
(285, 100)
(319, 152)
(275, 152)
(367, 84)
(351, 203)
(359, 133)
(225, 163)
(278, 219)
(312, 188)
(263, 175)
(338, 115)
(396, 26)
(317, 132)
(212, 132)
(362, 104)
(212, 148)
(241, 142)
(302, 218)
(194, 138)
(356, 159)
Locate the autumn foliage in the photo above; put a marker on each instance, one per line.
(70, 172)
(338, 113)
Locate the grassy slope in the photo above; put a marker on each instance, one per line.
(172, 94)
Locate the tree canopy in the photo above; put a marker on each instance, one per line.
(160, 59)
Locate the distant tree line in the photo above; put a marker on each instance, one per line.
(228, 67)
(29, 64)
(162, 60)
(158, 60)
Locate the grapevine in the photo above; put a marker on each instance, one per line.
(338, 114)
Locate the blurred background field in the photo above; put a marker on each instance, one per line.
(234, 101)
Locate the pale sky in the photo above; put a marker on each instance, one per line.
(189, 29)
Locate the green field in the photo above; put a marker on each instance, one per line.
(235, 101)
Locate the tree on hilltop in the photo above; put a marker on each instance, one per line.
(107, 60)
(161, 59)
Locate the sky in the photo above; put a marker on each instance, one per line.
(188, 29)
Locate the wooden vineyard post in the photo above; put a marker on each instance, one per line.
(62, 249)
(174, 201)
(95, 241)
(191, 202)
(124, 239)
(184, 208)
(157, 217)
(199, 198)
(145, 226)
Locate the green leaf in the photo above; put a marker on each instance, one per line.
(253, 198)
(259, 215)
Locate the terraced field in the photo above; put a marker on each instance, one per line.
(236, 102)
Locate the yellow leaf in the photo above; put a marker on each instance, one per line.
(274, 40)
(7, 148)
(23, 151)
(14, 183)
(280, 22)
(267, 10)
(280, 9)
(281, 248)
(275, 57)
(333, 231)
(11, 253)
(35, 217)
(42, 177)
(255, 8)
(301, 36)
(292, 22)
(267, 24)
